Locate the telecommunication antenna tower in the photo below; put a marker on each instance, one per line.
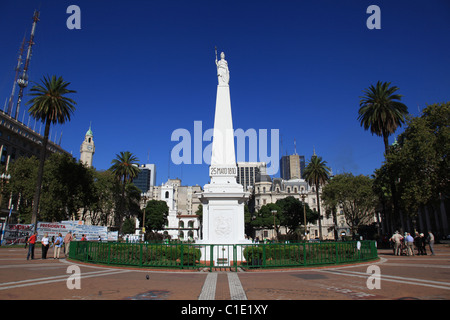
(19, 64)
(22, 81)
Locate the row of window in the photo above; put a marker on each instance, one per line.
(288, 189)
(264, 201)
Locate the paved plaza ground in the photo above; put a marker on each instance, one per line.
(402, 277)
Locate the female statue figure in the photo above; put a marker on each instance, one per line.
(223, 73)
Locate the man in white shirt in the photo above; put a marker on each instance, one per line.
(397, 239)
(45, 245)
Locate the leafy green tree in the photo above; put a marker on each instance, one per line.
(49, 105)
(354, 194)
(382, 190)
(420, 160)
(264, 218)
(291, 213)
(129, 226)
(156, 213)
(317, 173)
(21, 186)
(106, 190)
(67, 187)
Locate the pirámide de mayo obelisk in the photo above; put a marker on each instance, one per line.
(223, 198)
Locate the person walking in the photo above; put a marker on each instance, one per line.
(397, 239)
(31, 241)
(409, 244)
(67, 239)
(45, 241)
(58, 243)
(431, 242)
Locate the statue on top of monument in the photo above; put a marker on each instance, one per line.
(223, 74)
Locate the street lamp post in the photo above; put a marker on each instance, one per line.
(274, 212)
(144, 198)
(303, 195)
(5, 178)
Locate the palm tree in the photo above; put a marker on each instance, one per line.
(50, 106)
(125, 168)
(381, 111)
(317, 173)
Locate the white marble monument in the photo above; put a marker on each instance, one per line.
(223, 198)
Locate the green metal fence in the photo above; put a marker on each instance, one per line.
(195, 256)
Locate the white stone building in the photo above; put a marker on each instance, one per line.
(183, 202)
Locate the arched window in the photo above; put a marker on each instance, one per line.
(181, 224)
(167, 194)
(191, 224)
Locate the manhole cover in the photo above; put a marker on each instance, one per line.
(150, 295)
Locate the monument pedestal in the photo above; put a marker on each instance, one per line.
(223, 214)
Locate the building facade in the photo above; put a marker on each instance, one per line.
(268, 190)
(247, 172)
(182, 223)
(18, 140)
(146, 177)
(292, 167)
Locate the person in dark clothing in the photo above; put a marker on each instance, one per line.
(422, 243)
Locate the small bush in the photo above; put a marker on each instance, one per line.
(253, 255)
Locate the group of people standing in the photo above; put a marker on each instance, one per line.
(404, 245)
(57, 243)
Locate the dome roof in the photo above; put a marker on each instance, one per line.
(263, 178)
(89, 132)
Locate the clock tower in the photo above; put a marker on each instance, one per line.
(87, 148)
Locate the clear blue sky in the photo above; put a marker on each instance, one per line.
(143, 69)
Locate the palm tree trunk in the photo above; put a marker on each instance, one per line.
(392, 178)
(37, 193)
(122, 209)
(386, 143)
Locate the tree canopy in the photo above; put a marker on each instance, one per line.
(353, 195)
